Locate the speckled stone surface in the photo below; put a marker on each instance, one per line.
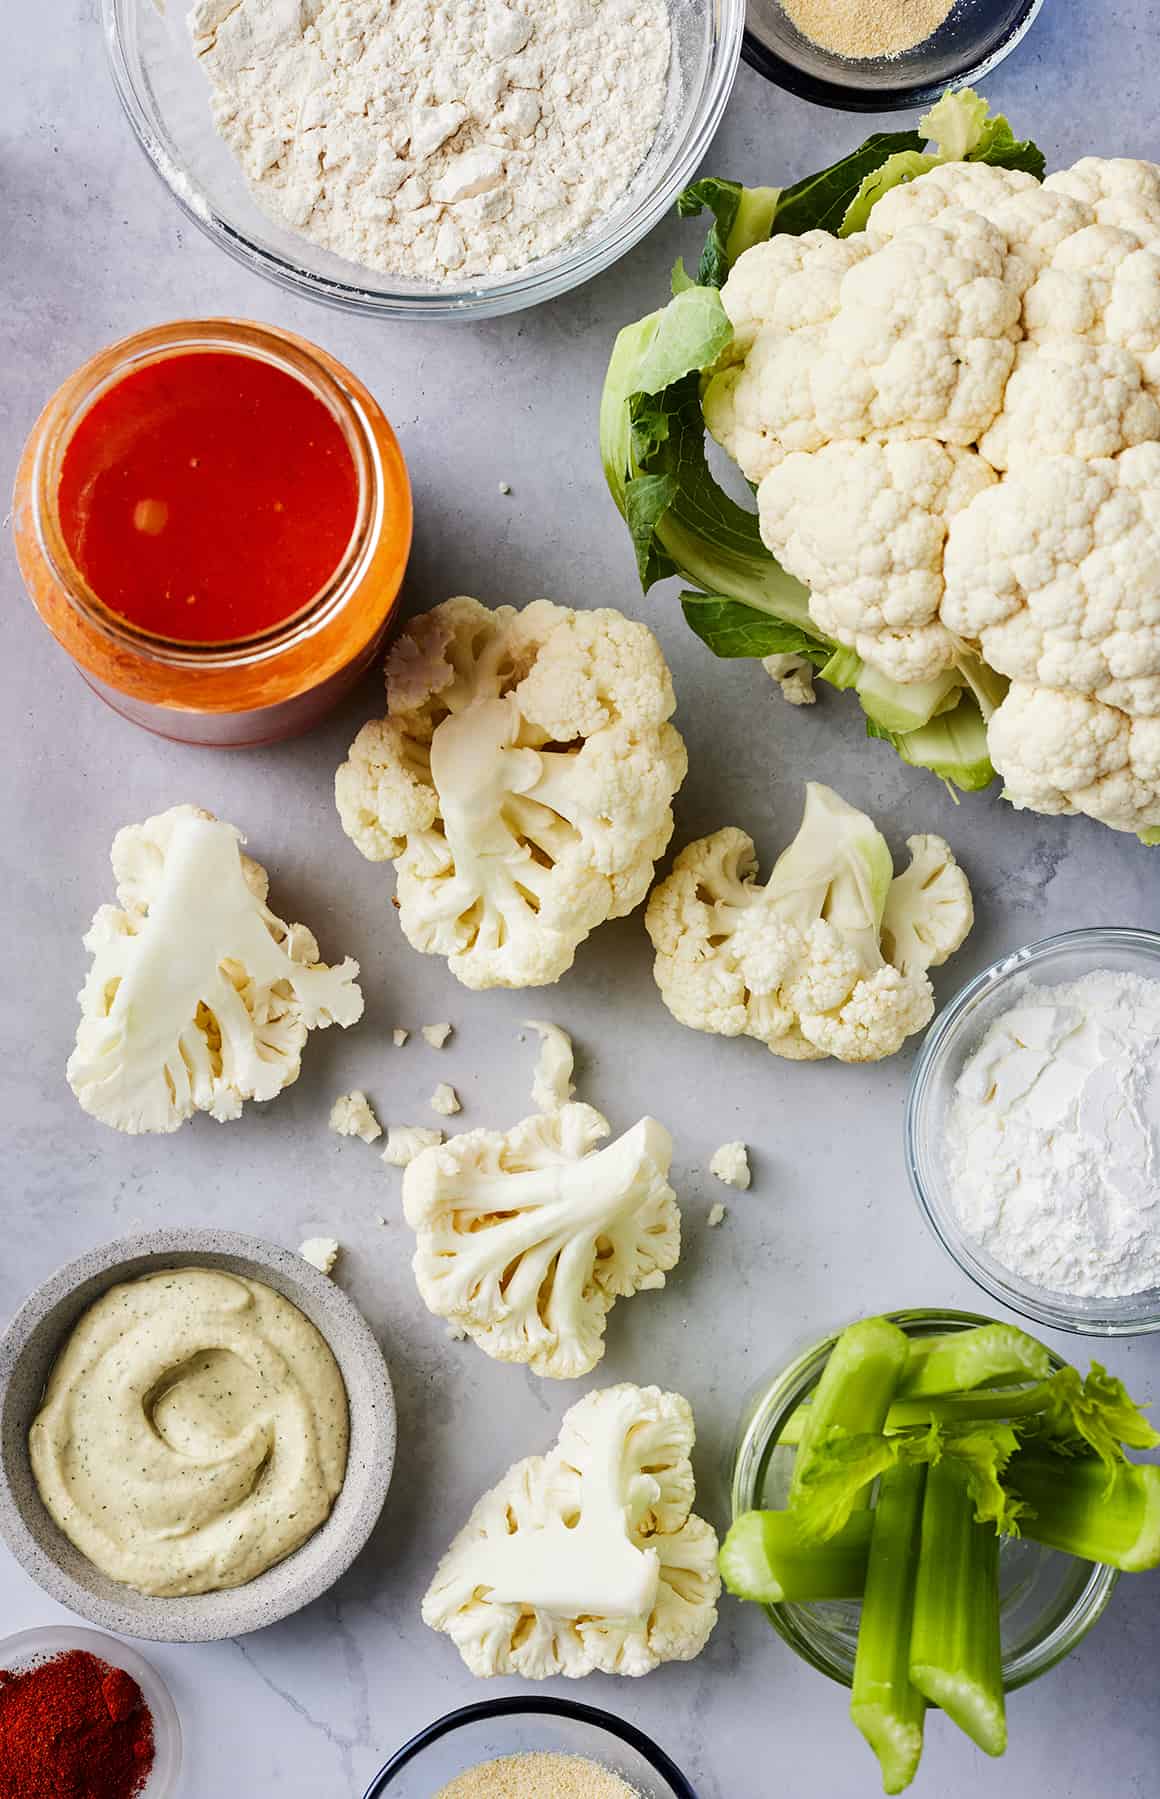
(32, 1343)
(93, 248)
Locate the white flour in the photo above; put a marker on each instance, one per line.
(436, 139)
(1053, 1138)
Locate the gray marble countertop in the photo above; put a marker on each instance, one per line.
(94, 248)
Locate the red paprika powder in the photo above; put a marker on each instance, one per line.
(72, 1727)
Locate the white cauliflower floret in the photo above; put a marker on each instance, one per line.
(788, 282)
(1101, 284)
(406, 1141)
(1053, 572)
(527, 1238)
(1065, 752)
(445, 1100)
(522, 782)
(798, 963)
(1070, 398)
(1118, 190)
(929, 911)
(588, 1559)
(794, 675)
(199, 997)
(321, 1252)
(351, 1115)
(730, 1163)
(863, 526)
(948, 187)
(552, 1082)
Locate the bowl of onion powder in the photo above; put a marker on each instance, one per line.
(1033, 1130)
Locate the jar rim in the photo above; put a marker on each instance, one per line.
(98, 376)
(771, 1405)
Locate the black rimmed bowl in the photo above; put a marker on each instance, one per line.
(973, 39)
(501, 1727)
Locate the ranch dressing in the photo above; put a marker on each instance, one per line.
(194, 1432)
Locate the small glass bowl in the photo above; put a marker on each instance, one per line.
(18, 1652)
(167, 99)
(481, 1733)
(1048, 1601)
(975, 36)
(954, 1037)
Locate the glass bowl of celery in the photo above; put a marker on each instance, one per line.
(1048, 1601)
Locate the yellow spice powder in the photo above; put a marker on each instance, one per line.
(858, 29)
(538, 1777)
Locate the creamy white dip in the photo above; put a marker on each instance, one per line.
(194, 1432)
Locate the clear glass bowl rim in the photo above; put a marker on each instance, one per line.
(571, 1709)
(761, 1427)
(55, 1639)
(1053, 1311)
(839, 98)
(565, 270)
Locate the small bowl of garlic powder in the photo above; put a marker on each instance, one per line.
(535, 1748)
(881, 55)
(1033, 1130)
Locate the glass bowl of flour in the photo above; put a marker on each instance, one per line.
(421, 160)
(1033, 1130)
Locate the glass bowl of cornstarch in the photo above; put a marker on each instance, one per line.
(426, 159)
(1033, 1131)
(504, 1748)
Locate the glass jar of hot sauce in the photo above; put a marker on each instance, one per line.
(251, 680)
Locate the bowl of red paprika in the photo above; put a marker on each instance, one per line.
(83, 1716)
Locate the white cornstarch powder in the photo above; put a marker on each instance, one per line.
(436, 139)
(1053, 1137)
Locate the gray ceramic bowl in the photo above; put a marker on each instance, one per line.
(27, 1352)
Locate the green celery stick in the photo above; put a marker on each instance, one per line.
(855, 1390)
(887, 1708)
(763, 1558)
(971, 1408)
(1081, 1506)
(955, 1659)
(991, 1355)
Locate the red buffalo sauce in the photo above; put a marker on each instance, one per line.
(213, 518)
(207, 496)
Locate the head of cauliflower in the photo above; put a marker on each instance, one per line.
(521, 782)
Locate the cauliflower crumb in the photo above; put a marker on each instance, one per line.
(380, 1218)
(730, 1164)
(717, 1215)
(399, 1036)
(456, 1333)
(320, 1252)
(505, 487)
(552, 1082)
(444, 1100)
(436, 1034)
(351, 1116)
(406, 1141)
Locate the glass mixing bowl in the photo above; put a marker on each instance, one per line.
(952, 1038)
(974, 37)
(479, 1733)
(167, 98)
(1048, 1601)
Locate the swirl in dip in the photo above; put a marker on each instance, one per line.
(193, 1433)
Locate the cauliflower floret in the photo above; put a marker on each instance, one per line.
(1053, 573)
(552, 1082)
(863, 525)
(797, 963)
(1065, 752)
(929, 911)
(763, 408)
(729, 1163)
(1101, 284)
(1031, 220)
(406, 1141)
(1118, 191)
(527, 1238)
(788, 282)
(199, 997)
(589, 1558)
(445, 1101)
(321, 1252)
(794, 675)
(522, 782)
(1070, 398)
(352, 1115)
